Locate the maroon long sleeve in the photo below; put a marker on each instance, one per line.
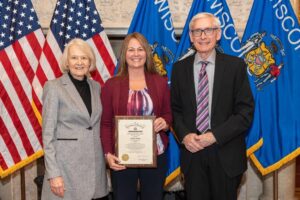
(114, 99)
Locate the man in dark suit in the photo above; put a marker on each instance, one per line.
(212, 107)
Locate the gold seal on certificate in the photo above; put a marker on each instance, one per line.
(135, 141)
(125, 157)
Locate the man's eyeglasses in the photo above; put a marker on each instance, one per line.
(206, 31)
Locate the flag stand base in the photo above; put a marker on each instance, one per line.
(23, 191)
(275, 185)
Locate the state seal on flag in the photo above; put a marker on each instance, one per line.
(162, 56)
(261, 58)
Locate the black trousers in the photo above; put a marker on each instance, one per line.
(151, 180)
(206, 179)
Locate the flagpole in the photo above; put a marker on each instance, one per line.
(275, 185)
(23, 193)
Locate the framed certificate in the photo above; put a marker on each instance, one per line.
(135, 141)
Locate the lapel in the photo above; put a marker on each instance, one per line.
(219, 71)
(122, 95)
(190, 81)
(94, 101)
(74, 95)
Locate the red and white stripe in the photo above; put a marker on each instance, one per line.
(47, 69)
(20, 129)
(105, 57)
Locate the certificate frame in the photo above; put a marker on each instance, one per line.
(135, 141)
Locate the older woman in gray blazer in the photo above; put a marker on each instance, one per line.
(75, 166)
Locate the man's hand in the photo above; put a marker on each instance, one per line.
(206, 139)
(191, 143)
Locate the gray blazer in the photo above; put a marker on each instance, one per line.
(72, 141)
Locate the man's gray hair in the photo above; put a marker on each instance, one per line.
(216, 21)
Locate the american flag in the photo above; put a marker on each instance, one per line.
(21, 41)
(73, 19)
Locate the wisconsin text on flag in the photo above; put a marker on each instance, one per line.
(73, 18)
(21, 41)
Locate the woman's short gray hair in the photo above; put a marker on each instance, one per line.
(85, 47)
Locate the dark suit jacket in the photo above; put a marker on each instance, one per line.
(231, 114)
(114, 99)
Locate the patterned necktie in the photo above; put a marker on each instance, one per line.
(202, 119)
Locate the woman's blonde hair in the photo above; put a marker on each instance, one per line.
(85, 48)
(149, 65)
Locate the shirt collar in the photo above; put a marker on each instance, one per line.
(211, 59)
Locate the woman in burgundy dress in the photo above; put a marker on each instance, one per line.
(137, 90)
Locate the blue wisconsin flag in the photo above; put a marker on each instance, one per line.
(153, 20)
(271, 48)
(229, 43)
